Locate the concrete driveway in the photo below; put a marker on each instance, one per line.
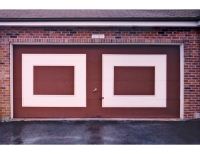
(100, 132)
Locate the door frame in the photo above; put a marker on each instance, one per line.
(181, 46)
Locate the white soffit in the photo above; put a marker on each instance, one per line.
(107, 23)
(76, 100)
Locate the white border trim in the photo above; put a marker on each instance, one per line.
(11, 80)
(106, 23)
(155, 60)
(76, 60)
(44, 43)
(182, 81)
(181, 65)
(96, 119)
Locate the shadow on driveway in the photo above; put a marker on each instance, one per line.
(100, 132)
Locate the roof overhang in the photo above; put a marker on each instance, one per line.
(105, 24)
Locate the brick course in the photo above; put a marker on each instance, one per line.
(190, 37)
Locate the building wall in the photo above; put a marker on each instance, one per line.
(190, 37)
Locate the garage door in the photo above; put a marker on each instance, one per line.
(96, 81)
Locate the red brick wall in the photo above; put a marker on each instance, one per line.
(189, 36)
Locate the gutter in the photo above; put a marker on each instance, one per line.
(69, 19)
(198, 23)
(104, 23)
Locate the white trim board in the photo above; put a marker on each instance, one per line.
(43, 43)
(95, 119)
(181, 65)
(182, 81)
(11, 80)
(105, 24)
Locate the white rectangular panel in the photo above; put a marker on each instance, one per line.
(76, 60)
(157, 61)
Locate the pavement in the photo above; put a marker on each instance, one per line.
(100, 132)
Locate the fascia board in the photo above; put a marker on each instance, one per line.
(106, 24)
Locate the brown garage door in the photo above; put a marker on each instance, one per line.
(134, 80)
